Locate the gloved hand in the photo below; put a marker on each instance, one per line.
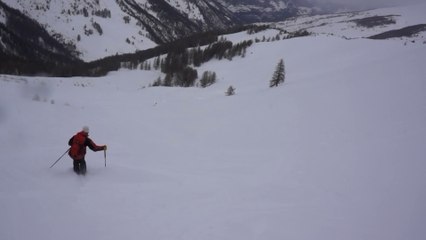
(105, 147)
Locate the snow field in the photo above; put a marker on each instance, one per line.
(337, 152)
(343, 25)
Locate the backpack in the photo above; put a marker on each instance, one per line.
(78, 146)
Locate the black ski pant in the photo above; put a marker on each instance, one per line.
(80, 166)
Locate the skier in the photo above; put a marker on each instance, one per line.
(77, 152)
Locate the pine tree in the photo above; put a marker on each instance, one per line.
(157, 63)
(279, 74)
(168, 80)
(230, 91)
(207, 79)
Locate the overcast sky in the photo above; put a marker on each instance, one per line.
(374, 3)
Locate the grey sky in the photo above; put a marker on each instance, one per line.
(374, 3)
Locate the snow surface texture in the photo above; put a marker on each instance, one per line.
(336, 152)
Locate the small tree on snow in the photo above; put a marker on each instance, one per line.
(230, 91)
(279, 74)
(207, 79)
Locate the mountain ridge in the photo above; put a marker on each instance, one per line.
(143, 24)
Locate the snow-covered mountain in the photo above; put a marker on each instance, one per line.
(98, 29)
(365, 24)
(252, 11)
(24, 42)
(401, 24)
(93, 29)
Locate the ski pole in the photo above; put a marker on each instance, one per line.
(60, 157)
(105, 156)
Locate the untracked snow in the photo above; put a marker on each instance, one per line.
(336, 152)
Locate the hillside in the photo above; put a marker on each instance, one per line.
(24, 42)
(363, 24)
(93, 29)
(336, 152)
(97, 29)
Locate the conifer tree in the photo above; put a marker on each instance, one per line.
(230, 91)
(207, 79)
(157, 63)
(168, 80)
(279, 74)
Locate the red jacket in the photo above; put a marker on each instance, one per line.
(78, 144)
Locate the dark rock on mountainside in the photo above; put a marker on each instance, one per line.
(169, 24)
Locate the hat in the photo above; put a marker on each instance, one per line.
(86, 129)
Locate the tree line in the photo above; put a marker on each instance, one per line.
(178, 64)
(68, 66)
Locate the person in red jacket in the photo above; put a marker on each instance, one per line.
(77, 152)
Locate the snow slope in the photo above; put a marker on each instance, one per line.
(97, 29)
(344, 24)
(65, 20)
(337, 152)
